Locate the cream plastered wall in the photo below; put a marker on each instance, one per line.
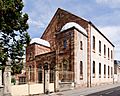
(26, 89)
(51, 87)
(101, 58)
(80, 55)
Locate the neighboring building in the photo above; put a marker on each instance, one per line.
(72, 52)
(20, 78)
(116, 71)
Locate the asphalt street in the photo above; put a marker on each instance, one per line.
(110, 92)
(103, 90)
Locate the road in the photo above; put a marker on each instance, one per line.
(110, 92)
(103, 90)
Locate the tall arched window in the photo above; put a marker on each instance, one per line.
(65, 43)
(99, 70)
(39, 73)
(99, 46)
(108, 72)
(104, 50)
(104, 71)
(65, 71)
(111, 54)
(111, 72)
(93, 69)
(52, 72)
(108, 53)
(93, 42)
(81, 70)
(31, 73)
(65, 65)
(81, 45)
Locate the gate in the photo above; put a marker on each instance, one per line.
(49, 79)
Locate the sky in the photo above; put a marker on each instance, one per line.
(104, 14)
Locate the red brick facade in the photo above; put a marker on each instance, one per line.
(57, 54)
(61, 53)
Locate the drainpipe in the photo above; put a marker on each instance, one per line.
(90, 56)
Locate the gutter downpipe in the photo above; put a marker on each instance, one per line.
(90, 55)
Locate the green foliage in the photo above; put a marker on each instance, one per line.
(16, 68)
(13, 80)
(13, 33)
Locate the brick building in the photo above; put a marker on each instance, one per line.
(72, 52)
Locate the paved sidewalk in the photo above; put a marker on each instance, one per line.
(83, 91)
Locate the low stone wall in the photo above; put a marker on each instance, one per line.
(1, 91)
(51, 87)
(26, 89)
(66, 86)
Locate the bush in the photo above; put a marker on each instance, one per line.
(13, 81)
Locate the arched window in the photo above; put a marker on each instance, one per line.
(99, 70)
(81, 70)
(99, 46)
(93, 69)
(93, 42)
(52, 72)
(31, 73)
(81, 45)
(108, 53)
(104, 50)
(111, 72)
(65, 70)
(39, 73)
(65, 43)
(111, 54)
(108, 72)
(104, 71)
(65, 65)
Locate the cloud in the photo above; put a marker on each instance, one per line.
(37, 24)
(111, 31)
(41, 12)
(110, 3)
(108, 18)
(113, 34)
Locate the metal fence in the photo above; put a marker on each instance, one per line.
(66, 76)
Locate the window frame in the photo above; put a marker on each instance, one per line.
(40, 73)
(111, 54)
(104, 50)
(99, 70)
(81, 70)
(111, 72)
(100, 47)
(81, 45)
(104, 71)
(108, 53)
(31, 73)
(65, 43)
(94, 43)
(93, 69)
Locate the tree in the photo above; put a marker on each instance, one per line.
(13, 34)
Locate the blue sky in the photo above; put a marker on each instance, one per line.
(105, 14)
